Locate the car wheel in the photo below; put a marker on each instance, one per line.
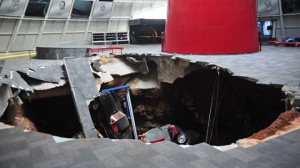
(181, 138)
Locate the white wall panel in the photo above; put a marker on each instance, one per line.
(118, 26)
(54, 26)
(74, 39)
(292, 21)
(30, 26)
(34, 26)
(29, 42)
(89, 39)
(24, 27)
(54, 38)
(7, 26)
(123, 26)
(4, 42)
(292, 32)
(122, 10)
(98, 26)
(139, 8)
(292, 26)
(150, 11)
(44, 40)
(18, 43)
(70, 37)
(50, 39)
(49, 26)
(75, 26)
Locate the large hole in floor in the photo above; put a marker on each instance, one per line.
(240, 108)
(209, 105)
(56, 115)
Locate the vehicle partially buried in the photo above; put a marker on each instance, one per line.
(108, 116)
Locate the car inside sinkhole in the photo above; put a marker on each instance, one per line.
(207, 104)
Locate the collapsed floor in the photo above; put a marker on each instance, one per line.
(207, 102)
(242, 108)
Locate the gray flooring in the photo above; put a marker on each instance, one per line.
(31, 149)
(273, 65)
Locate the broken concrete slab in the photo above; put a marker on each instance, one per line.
(149, 81)
(38, 86)
(1, 65)
(80, 76)
(104, 76)
(170, 69)
(48, 93)
(5, 95)
(141, 61)
(46, 72)
(117, 66)
(14, 80)
(83, 88)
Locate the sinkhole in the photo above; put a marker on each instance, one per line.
(209, 104)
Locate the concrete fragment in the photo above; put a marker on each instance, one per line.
(46, 85)
(1, 65)
(83, 88)
(145, 81)
(5, 95)
(171, 69)
(117, 66)
(46, 72)
(14, 80)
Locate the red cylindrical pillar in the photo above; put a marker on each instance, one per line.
(211, 27)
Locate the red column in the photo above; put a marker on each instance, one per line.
(211, 27)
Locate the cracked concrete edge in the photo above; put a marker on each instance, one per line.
(2, 62)
(5, 95)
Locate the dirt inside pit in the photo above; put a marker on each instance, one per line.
(280, 124)
(286, 122)
(209, 105)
